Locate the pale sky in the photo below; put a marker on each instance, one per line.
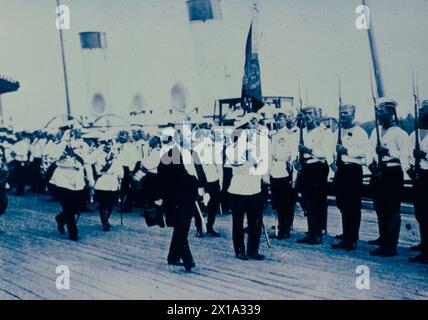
(152, 46)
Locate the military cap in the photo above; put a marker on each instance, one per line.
(387, 102)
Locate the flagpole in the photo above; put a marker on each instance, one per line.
(374, 56)
(64, 64)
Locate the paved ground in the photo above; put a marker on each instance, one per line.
(130, 262)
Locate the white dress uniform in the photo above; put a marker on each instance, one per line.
(110, 179)
(320, 142)
(396, 140)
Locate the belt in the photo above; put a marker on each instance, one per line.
(311, 161)
(392, 163)
(351, 164)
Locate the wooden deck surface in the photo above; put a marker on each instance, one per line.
(130, 261)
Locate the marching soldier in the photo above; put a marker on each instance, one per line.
(108, 175)
(36, 150)
(69, 178)
(351, 156)
(149, 168)
(128, 155)
(283, 152)
(313, 175)
(51, 153)
(420, 185)
(388, 177)
(19, 153)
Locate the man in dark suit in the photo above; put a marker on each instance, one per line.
(183, 180)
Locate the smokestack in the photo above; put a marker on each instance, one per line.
(203, 10)
(94, 45)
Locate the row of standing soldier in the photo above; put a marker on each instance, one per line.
(294, 167)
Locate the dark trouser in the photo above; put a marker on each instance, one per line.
(3, 199)
(227, 178)
(35, 175)
(20, 176)
(84, 198)
(213, 188)
(179, 248)
(151, 189)
(125, 191)
(252, 207)
(70, 203)
(421, 208)
(388, 190)
(284, 201)
(106, 200)
(348, 183)
(314, 195)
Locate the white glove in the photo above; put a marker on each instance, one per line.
(201, 192)
(206, 199)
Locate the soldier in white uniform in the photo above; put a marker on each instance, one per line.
(317, 154)
(283, 151)
(212, 166)
(69, 178)
(420, 183)
(36, 150)
(388, 176)
(245, 193)
(108, 175)
(19, 152)
(128, 155)
(51, 153)
(351, 156)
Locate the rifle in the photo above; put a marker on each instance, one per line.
(417, 141)
(378, 139)
(339, 129)
(301, 125)
(119, 200)
(266, 236)
(204, 226)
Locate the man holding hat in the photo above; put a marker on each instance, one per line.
(283, 151)
(388, 176)
(245, 190)
(420, 184)
(351, 156)
(313, 175)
